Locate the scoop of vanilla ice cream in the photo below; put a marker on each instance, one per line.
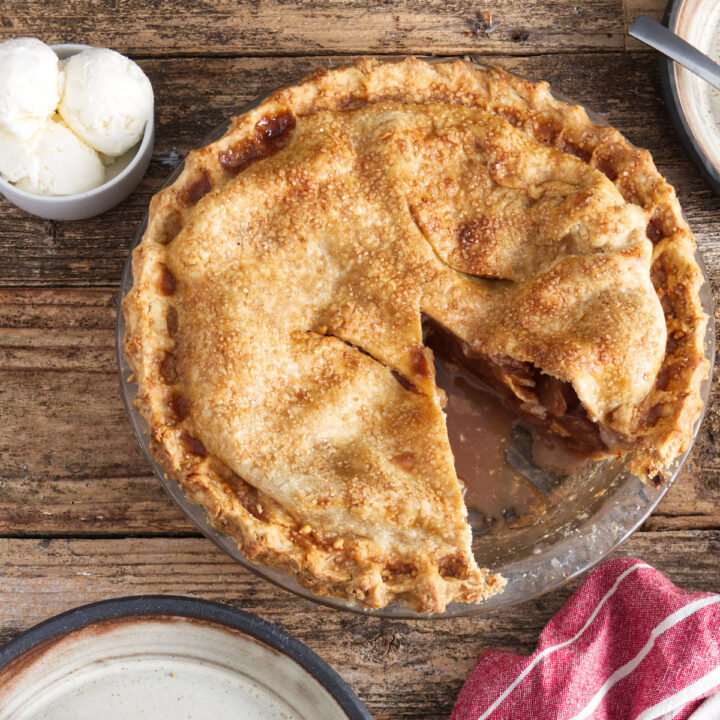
(16, 162)
(53, 162)
(106, 99)
(29, 85)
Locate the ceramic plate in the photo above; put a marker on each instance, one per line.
(587, 517)
(693, 104)
(162, 657)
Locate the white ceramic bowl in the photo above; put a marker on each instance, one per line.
(125, 175)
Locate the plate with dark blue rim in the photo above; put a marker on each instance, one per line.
(159, 657)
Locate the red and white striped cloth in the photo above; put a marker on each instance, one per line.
(628, 645)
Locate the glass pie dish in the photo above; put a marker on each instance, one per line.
(584, 516)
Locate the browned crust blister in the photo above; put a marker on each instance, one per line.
(660, 427)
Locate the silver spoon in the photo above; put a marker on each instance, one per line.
(657, 36)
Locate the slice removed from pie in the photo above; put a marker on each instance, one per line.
(295, 280)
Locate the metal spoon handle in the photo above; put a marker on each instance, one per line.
(657, 36)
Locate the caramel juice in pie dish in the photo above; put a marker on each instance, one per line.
(480, 431)
(275, 327)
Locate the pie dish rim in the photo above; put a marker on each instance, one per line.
(556, 577)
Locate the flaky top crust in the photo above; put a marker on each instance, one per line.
(274, 324)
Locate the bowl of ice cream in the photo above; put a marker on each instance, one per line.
(76, 128)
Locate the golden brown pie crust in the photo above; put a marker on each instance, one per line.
(274, 324)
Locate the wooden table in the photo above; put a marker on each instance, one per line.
(81, 516)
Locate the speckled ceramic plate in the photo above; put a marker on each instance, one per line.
(163, 657)
(693, 104)
(588, 516)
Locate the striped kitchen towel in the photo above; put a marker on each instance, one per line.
(628, 645)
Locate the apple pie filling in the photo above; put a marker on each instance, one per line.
(274, 320)
(544, 401)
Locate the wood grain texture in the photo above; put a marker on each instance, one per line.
(195, 95)
(275, 27)
(633, 9)
(401, 669)
(70, 463)
(81, 516)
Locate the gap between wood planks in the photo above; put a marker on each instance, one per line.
(654, 524)
(350, 56)
(100, 535)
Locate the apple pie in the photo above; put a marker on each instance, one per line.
(294, 282)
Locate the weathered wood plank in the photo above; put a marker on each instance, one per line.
(92, 253)
(393, 665)
(70, 463)
(50, 330)
(633, 9)
(42, 505)
(69, 460)
(195, 95)
(274, 27)
(66, 424)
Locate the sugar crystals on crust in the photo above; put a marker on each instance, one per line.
(275, 324)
